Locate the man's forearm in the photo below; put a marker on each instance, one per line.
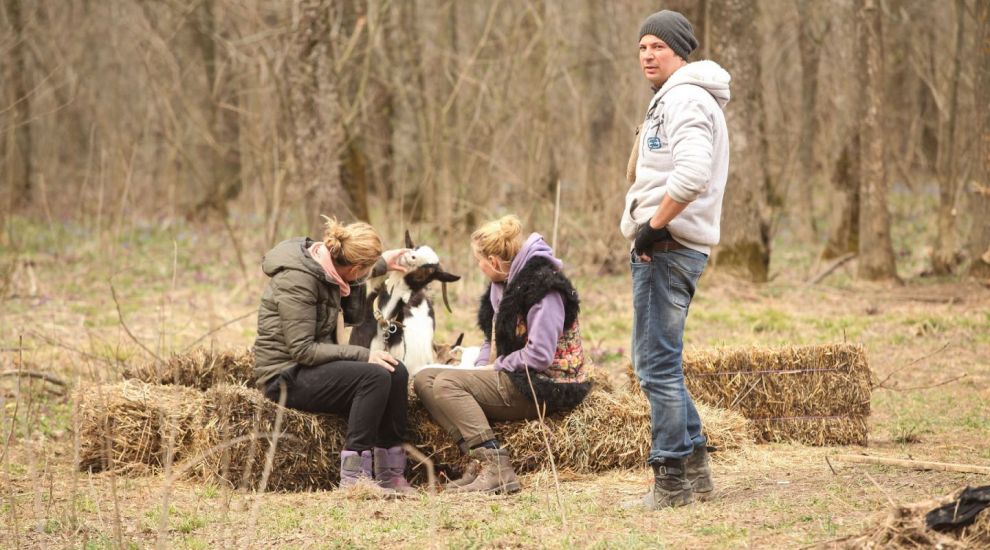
(667, 211)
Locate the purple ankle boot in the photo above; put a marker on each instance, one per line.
(354, 468)
(390, 468)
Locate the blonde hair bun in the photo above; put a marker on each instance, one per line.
(501, 238)
(352, 244)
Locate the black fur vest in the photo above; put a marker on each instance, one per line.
(538, 277)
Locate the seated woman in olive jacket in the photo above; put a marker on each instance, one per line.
(298, 358)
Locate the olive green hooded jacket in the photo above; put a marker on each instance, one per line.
(297, 318)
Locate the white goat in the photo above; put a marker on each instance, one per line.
(399, 317)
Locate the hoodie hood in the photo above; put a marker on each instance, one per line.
(706, 74)
(534, 247)
(293, 254)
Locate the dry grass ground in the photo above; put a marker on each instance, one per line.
(928, 341)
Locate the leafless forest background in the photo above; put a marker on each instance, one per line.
(253, 117)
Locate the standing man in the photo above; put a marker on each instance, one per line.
(672, 216)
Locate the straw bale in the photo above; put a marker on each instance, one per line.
(820, 431)
(608, 430)
(200, 368)
(821, 380)
(306, 455)
(816, 395)
(129, 427)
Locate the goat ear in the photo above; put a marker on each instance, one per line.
(409, 243)
(459, 341)
(444, 277)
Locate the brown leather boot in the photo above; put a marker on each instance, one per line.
(496, 474)
(470, 474)
(670, 486)
(699, 473)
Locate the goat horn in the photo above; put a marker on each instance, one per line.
(443, 288)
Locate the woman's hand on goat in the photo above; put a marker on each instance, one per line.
(396, 259)
(383, 359)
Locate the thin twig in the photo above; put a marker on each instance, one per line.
(431, 475)
(283, 393)
(916, 361)
(167, 489)
(218, 328)
(546, 441)
(120, 315)
(6, 469)
(830, 467)
(556, 218)
(56, 343)
(943, 383)
(882, 490)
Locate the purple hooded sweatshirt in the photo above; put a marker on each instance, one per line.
(545, 320)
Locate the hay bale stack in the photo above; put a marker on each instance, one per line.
(131, 426)
(200, 368)
(233, 443)
(608, 430)
(817, 395)
(225, 433)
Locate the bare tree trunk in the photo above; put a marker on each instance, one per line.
(809, 46)
(18, 126)
(843, 234)
(876, 258)
(224, 175)
(381, 111)
(313, 100)
(352, 67)
(979, 237)
(945, 254)
(745, 245)
(600, 107)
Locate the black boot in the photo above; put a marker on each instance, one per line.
(699, 473)
(671, 487)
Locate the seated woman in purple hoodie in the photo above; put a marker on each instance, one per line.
(529, 315)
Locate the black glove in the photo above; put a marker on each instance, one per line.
(646, 236)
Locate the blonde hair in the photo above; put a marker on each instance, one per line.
(501, 238)
(352, 244)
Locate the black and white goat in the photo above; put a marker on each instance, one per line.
(399, 317)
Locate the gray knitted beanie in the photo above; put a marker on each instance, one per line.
(674, 29)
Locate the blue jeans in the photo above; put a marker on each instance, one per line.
(662, 292)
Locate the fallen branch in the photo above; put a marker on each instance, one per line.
(836, 264)
(34, 374)
(914, 464)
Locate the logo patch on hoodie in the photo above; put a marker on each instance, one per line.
(653, 143)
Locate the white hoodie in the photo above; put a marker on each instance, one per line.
(684, 153)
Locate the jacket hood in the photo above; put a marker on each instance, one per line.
(534, 247)
(706, 74)
(292, 254)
